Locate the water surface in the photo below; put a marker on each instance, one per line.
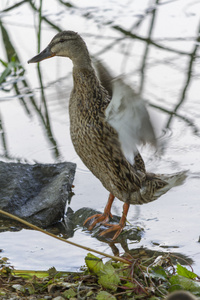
(155, 45)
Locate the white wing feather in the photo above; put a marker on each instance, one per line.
(128, 115)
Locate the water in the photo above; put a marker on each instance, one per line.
(162, 62)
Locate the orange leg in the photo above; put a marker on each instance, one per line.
(118, 227)
(102, 218)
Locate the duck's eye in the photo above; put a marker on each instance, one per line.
(62, 41)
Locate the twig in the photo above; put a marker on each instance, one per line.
(115, 258)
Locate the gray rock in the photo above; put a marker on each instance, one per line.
(37, 193)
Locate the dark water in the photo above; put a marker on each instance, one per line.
(155, 45)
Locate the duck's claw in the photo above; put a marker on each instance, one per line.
(102, 218)
(98, 218)
(113, 227)
(117, 227)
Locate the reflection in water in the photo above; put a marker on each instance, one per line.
(156, 47)
(18, 86)
(42, 109)
(186, 84)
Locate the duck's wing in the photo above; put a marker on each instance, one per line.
(128, 115)
(104, 76)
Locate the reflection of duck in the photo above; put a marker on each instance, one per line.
(181, 295)
(101, 140)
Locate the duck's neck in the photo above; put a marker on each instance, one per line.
(81, 59)
(85, 79)
(83, 72)
(88, 93)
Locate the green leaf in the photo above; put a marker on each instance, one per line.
(69, 293)
(5, 64)
(28, 274)
(159, 272)
(109, 278)
(30, 289)
(4, 74)
(105, 296)
(184, 283)
(94, 264)
(2, 292)
(185, 272)
(13, 58)
(107, 275)
(130, 285)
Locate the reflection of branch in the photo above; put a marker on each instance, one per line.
(108, 47)
(173, 113)
(136, 26)
(21, 98)
(143, 17)
(14, 6)
(137, 37)
(134, 36)
(46, 119)
(147, 49)
(175, 39)
(3, 137)
(10, 51)
(188, 79)
(68, 4)
(44, 18)
(34, 8)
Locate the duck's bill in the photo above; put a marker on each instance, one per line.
(46, 53)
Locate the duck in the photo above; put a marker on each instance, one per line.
(103, 138)
(181, 295)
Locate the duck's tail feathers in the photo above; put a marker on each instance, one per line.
(156, 185)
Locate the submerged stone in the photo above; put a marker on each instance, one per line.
(37, 193)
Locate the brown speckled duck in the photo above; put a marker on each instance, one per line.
(105, 143)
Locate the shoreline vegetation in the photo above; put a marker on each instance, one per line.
(118, 278)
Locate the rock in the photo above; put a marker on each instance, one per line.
(36, 193)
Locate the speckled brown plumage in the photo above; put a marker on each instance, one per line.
(95, 141)
(97, 144)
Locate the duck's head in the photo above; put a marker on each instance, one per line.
(67, 44)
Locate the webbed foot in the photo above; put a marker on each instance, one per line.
(98, 219)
